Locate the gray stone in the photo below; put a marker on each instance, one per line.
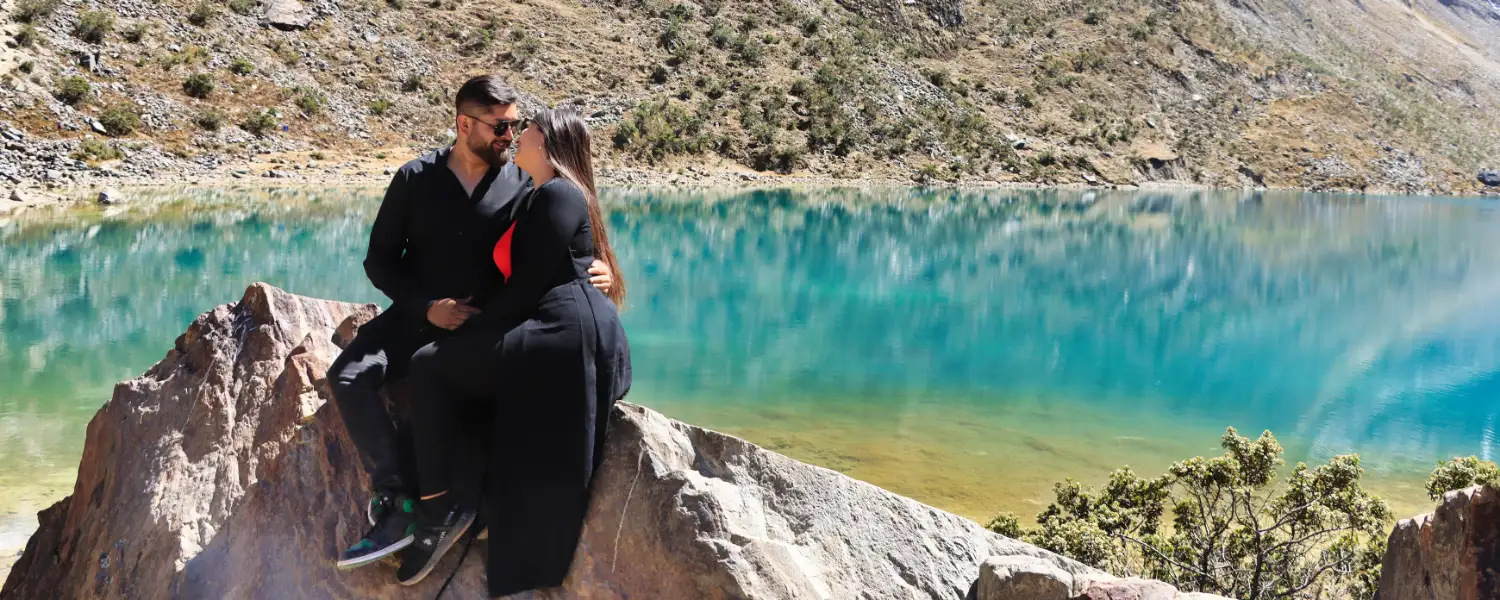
(98, 127)
(1109, 588)
(223, 471)
(1490, 178)
(1023, 578)
(52, 175)
(288, 15)
(111, 196)
(1451, 554)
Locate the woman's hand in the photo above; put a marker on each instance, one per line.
(600, 276)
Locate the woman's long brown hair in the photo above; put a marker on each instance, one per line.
(568, 151)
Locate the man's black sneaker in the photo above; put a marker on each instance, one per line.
(394, 524)
(436, 534)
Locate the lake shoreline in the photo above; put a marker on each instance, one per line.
(305, 169)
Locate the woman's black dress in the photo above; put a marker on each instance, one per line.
(549, 352)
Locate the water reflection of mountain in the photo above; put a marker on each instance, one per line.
(93, 301)
(1355, 323)
(1338, 322)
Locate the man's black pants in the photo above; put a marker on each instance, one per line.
(379, 353)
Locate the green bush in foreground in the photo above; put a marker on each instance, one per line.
(311, 101)
(243, 7)
(136, 32)
(209, 120)
(259, 122)
(203, 13)
(31, 11)
(119, 120)
(93, 26)
(92, 150)
(198, 85)
(1460, 473)
(26, 36)
(1236, 530)
(241, 66)
(74, 90)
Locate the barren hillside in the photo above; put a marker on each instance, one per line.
(1372, 95)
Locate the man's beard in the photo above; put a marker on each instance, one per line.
(489, 154)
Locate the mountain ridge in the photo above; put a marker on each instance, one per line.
(1369, 95)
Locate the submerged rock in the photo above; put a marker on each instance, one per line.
(1451, 554)
(111, 196)
(224, 472)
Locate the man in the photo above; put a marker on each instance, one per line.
(430, 252)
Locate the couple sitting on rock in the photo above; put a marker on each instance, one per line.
(504, 292)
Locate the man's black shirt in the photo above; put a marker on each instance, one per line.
(431, 240)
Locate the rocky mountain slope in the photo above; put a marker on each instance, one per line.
(1370, 95)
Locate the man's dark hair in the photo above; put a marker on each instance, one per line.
(483, 92)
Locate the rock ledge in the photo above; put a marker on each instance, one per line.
(223, 472)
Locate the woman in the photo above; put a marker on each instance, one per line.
(549, 353)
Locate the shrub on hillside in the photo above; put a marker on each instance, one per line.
(311, 101)
(241, 66)
(92, 150)
(198, 85)
(721, 35)
(26, 36)
(655, 130)
(259, 121)
(27, 67)
(203, 13)
(120, 120)
(243, 7)
(136, 32)
(74, 90)
(93, 25)
(1460, 473)
(412, 83)
(380, 106)
(31, 11)
(209, 120)
(523, 48)
(1235, 531)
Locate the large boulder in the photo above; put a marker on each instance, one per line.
(1023, 578)
(224, 472)
(1490, 178)
(1451, 554)
(289, 15)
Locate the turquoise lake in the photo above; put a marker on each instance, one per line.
(964, 348)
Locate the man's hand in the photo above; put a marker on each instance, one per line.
(449, 313)
(600, 276)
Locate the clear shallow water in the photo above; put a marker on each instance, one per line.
(964, 349)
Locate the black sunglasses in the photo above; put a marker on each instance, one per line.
(500, 127)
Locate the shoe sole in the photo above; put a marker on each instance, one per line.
(352, 563)
(442, 549)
